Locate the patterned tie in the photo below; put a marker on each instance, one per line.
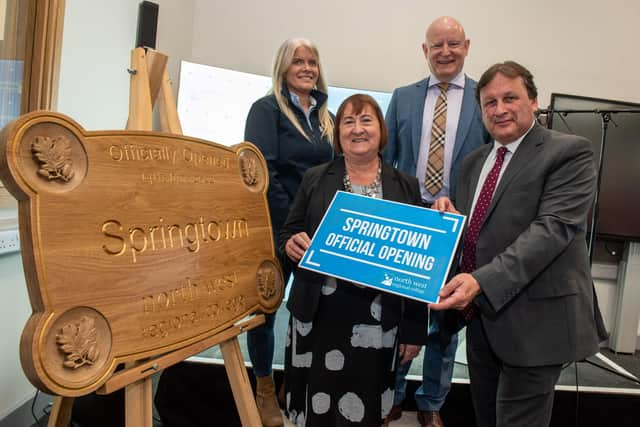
(468, 263)
(434, 176)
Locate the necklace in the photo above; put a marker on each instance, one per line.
(370, 190)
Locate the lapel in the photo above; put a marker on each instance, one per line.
(333, 181)
(466, 116)
(522, 157)
(417, 110)
(389, 184)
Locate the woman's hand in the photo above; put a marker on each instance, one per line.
(408, 352)
(444, 204)
(297, 245)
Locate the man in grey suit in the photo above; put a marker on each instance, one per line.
(525, 284)
(412, 120)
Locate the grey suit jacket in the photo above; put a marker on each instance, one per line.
(404, 124)
(536, 304)
(316, 192)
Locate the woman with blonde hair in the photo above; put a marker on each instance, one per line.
(293, 129)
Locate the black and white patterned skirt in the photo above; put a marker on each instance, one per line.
(339, 368)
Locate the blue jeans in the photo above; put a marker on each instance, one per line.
(437, 370)
(260, 343)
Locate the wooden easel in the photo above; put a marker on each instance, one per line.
(150, 84)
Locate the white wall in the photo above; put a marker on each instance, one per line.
(96, 44)
(96, 52)
(175, 34)
(583, 47)
(14, 311)
(605, 279)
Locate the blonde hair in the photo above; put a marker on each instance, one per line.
(283, 60)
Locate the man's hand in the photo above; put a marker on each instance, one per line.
(297, 245)
(458, 293)
(444, 204)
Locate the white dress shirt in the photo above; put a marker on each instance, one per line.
(491, 159)
(454, 106)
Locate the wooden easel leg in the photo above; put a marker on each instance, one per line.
(60, 412)
(137, 404)
(140, 107)
(240, 385)
(167, 112)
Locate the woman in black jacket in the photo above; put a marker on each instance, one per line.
(343, 338)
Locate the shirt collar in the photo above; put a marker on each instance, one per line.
(296, 101)
(457, 81)
(513, 146)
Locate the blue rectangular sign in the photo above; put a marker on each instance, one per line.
(391, 246)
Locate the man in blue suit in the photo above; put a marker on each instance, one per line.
(437, 117)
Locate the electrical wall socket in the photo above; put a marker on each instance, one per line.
(9, 241)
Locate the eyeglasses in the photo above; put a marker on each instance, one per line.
(451, 44)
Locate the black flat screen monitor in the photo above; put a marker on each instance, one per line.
(619, 201)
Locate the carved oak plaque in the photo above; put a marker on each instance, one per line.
(134, 244)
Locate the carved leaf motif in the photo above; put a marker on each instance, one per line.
(249, 170)
(54, 155)
(78, 342)
(266, 283)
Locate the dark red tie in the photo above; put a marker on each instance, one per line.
(468, 263)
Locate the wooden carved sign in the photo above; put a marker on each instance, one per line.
(134, 244)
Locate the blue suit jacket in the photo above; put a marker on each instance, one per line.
(404, 123)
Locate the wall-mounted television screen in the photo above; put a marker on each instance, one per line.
(619, 201)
